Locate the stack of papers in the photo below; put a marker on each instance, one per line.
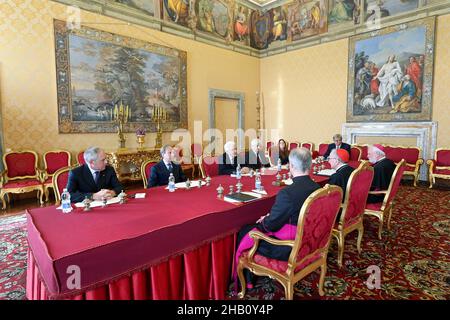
(242, 175)
(182, 185)
(287, 182)
(97, 203)
(326, 172)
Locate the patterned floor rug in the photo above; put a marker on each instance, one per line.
(413, 258)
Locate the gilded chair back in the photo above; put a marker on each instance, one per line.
(60, 179)
(322, 149)
(442, 157)
(315, 224)
(364, 151)
(56, 159)
(269, 145)
(308, 145)
(209, 166)
(397, 153)
(21, 165)
(358, 188)
(355, 153)
(196, 152)
(146, 168)
(394, 184)
(80, 158)
(294, 145)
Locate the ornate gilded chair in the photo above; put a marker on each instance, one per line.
(351, 218)
(60, 179)
(309, 248)
(412, 158)
(439, 167)
(269, 145)
(179, 158)
(196, 153)
(308, 145)
(209, 166)
(294, 145)
(53, 160)
(355, 153)
(321, 151)
(364, 151)
(146, 168)
(80, 158)
(21, 174)
(382, 209)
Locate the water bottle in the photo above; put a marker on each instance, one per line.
(238, 171)
(257, 181)
(279, 165)
(65, 201)
(171, 183)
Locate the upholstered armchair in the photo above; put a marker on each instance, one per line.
(269, 144)
(53, 160)
(321, 151)
(80, 158)
(21, 175)
(209, 166)
(364, 151)
(382, 209)
(196, 153)
(355, 153)
(439, 167)
(413, 161)
(351, 218)
(60, 179)
(308, 145)
(294, 145)
(146, 168)
(309, 247)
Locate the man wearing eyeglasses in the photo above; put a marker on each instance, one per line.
(338, 144)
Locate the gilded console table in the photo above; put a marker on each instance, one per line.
(127, 162)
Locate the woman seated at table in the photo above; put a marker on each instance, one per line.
(280, 152)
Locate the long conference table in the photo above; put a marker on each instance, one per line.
(169, 245)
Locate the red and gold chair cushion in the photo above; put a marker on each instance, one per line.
(293, 145)
(374, 206)
(396, 154)
(62, 180)
(441, 171)
(323, 147)
(80, 158)
(355, 154)
(269, 145)
(20, 164)
(196, 149)
(21, 183)
(148, 169)
(279, 265)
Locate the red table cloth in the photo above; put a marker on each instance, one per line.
(188, 232)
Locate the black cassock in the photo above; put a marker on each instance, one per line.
(383, 171)
(341, 177)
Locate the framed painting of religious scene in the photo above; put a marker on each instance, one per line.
(391, 73)
(306, 18)
(374, 9)
(216, 17)
(97, 71)
(144, 6)
(177, 11)
(260, 29)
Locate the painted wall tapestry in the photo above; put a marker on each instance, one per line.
(97, 70)
(307, 18)
(391, 73)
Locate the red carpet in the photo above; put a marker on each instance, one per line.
(414, 256)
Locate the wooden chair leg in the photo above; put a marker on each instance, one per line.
(341, 244)
(41, 197)
(240, 272)
(360, 236)
(380, 227)
(2, 196)
(389, 218)
(323, 272)
(431, 178)
(289, 291)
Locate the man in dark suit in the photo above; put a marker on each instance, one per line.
(287, 204)
(254, 158)
(338, 160)
(94, 179)
(159, 175)
(228, 161)
(383, 168)
(338, 144)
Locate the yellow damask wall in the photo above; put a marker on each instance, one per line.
(305, 90)
(28, 81)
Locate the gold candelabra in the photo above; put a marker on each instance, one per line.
(159, 116)
(120, 116)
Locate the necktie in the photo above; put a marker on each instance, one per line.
(96, 175)
(170, 167)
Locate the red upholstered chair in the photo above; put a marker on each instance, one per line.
(351, 219)
(53, 160)
(411, 156)
(146, 168)
(439, 167)
(355, 153)
(382, 209)
(179, 158)
(196, 153)
(323, 147)
(21, 174)
(294, 145)
(60, 179)
(364, 151)
(269, 145)
(309, 248)
(308, 145)
(209, 166)
(80, 158)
